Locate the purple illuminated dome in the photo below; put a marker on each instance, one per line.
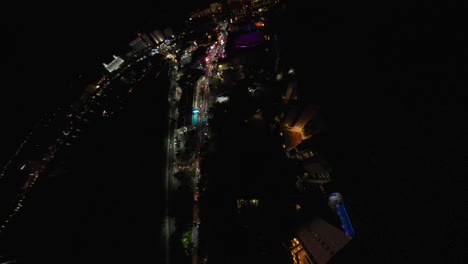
(249, 40)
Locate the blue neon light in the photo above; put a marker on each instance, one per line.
(345, 221)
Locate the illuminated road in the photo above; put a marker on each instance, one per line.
(204, 96)
(201, 101)
(169, 222)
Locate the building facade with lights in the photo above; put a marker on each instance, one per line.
(317, 242)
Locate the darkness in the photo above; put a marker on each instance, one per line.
(390, 80)
(391, 84)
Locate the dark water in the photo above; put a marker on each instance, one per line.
(105, 202)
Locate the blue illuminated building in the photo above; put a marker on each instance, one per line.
(336, 202)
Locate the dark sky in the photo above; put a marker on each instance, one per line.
(391, 81)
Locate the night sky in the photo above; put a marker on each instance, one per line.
(391, 83)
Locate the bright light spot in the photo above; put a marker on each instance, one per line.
(254, 202)
(222, 99)
(291, 71)
(22, 167)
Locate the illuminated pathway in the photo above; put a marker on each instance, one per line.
(202, 100)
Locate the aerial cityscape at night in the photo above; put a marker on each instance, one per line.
(233, 131)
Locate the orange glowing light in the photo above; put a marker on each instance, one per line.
(259, 24)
